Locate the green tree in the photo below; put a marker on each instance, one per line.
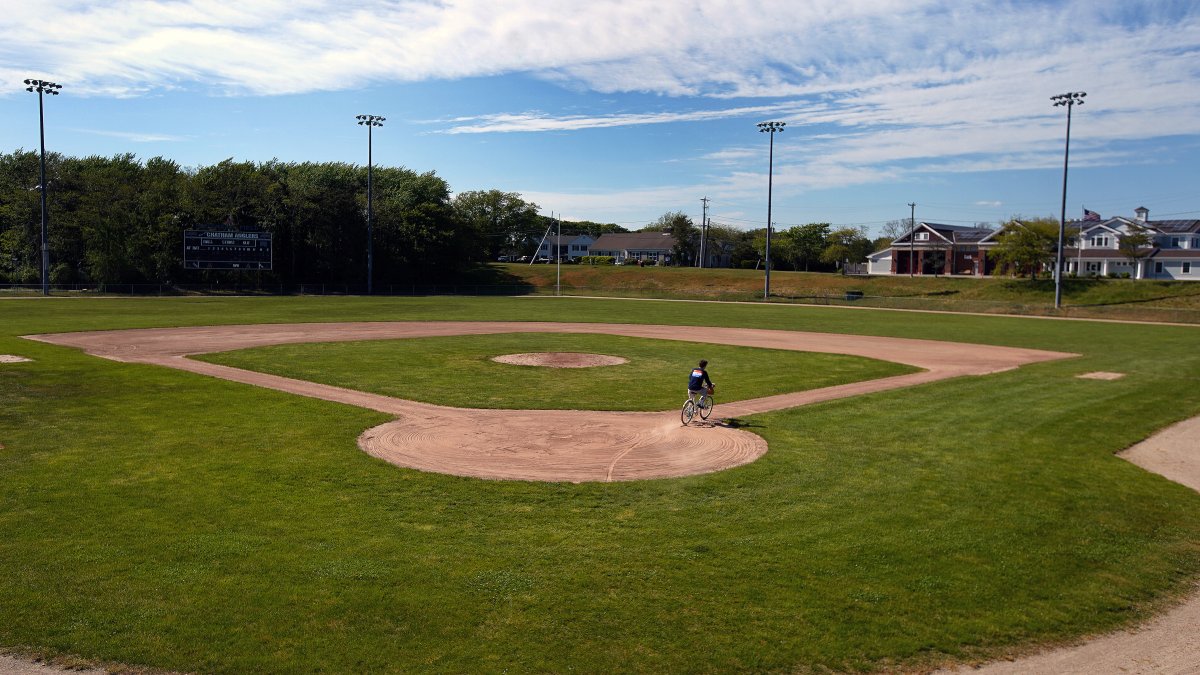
(1027, 246)
(683, 231)
(1135, 244)
(592, 229)
(847, 244)
(502, 222)
(807, 244)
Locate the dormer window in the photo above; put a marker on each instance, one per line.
(1101, 242)
(922, 236)
(1174, 242)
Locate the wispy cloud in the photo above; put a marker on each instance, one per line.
(134, 136)
(871, 89)
(537, 121)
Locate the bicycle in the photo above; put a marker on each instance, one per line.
(702, 405)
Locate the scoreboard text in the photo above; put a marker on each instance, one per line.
(219, 250)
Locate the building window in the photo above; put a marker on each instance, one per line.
(1187, 267)
(922, 236)
(1100, 242)
(1174, 242)
(1093, 266)
(1158, 268)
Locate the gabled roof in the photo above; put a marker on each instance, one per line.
(1099, 226)
(565, 239)
(1175, 226)
(638, 241)
(950, 233)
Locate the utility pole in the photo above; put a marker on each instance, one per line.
(703, 231)
(912, 233)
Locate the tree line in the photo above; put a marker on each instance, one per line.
(119, 220)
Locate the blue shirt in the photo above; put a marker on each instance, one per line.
(697, 379)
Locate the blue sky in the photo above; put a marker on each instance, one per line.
(619, 111)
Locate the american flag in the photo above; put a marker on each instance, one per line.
(1090, 215)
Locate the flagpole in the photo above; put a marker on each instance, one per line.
(1079, 246)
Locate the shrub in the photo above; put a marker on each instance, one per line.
(597, 260)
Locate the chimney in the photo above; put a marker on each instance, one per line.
(1143, 214)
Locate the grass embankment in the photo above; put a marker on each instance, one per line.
(161, 518)
(1146, 300)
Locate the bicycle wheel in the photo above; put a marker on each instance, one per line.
(706, 405)
(688, 412)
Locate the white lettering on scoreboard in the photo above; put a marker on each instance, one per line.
(224, 250)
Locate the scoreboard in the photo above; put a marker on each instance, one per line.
(224, 250)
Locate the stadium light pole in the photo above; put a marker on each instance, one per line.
(769, 128)
(370, 122)
(50, 88)
(1070, 100)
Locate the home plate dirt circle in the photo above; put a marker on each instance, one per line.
(550, 445)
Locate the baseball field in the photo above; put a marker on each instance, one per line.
(159, 516)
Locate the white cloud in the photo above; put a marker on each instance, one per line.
(871, 89)
(134, 136)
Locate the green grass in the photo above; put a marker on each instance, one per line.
(459, 371)
(160, 518)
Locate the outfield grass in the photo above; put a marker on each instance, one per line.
(162, 518)
(459, 371)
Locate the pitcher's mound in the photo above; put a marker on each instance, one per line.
(560, 360)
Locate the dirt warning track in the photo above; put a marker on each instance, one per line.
(550, 445)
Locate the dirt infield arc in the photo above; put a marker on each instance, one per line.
(549, 445)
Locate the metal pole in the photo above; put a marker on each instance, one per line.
(703, 231)
(769, 128)
(42, 186)
(43, 87)
(912, 233)
(370, 122)
(370, 237)
(1062, 218)
(558, 257)
(1069, 99)
(770, 188)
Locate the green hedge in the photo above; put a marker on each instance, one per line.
(597, 260)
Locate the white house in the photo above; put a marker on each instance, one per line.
(650, 247)
(1174, 252)
(567, 246)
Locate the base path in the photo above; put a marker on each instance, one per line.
(550, 445)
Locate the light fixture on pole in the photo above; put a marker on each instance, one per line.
(43, 87)
(370, 122)
(1070, 100)
(769, 128)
